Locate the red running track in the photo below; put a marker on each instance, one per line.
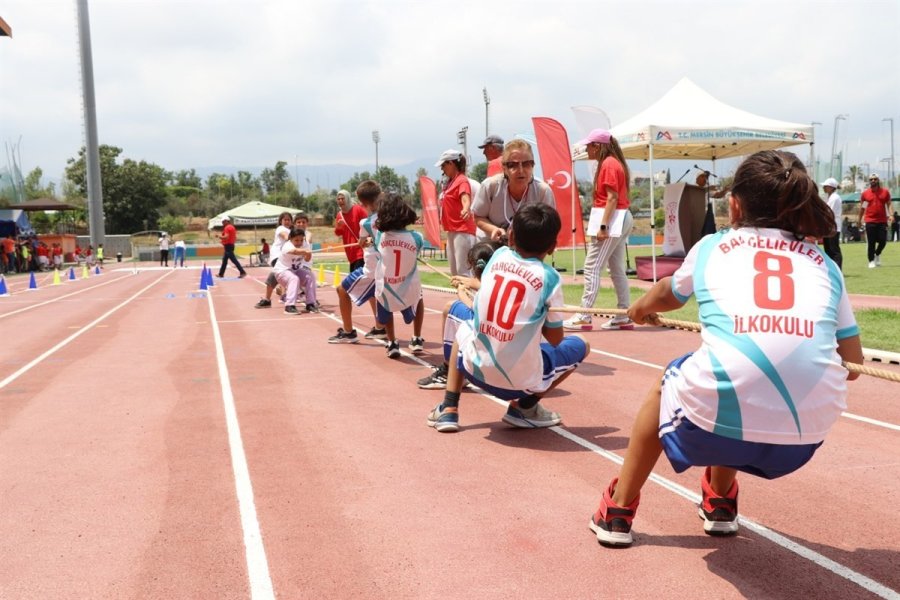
(156, 442)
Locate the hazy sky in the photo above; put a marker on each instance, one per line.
(196, 83)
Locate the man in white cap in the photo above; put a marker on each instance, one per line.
(492, 147)
(832, 245)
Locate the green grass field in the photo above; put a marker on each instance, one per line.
(880, 329)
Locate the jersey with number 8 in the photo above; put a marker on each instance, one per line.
(772, 309)
(501, 347)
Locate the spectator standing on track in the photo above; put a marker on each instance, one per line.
(501, 351)
(346, 226)
(264, 251)
(492, 148)
(358, 287)
(397, 285)
(832, 244)
(895, 227)
(456, 211)
(9, 249)
(100, 254)
(759, 395)
(874, 208)
(164, 249)
(610, 195)
(180, 252)
(285, 223)
(502, 195)
(228, 238)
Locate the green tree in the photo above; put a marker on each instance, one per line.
(187, 178)
(386, 177)
(133, 192)
(275, 179)
(479, 171)
(33, 189)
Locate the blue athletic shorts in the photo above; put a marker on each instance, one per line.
(383, 315)
(360, 287)
(687, 445)
(458, 313)
(558, 360)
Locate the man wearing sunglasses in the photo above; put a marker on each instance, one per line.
(502, 195)
(875, 208)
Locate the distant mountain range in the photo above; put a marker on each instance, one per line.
(329, 177)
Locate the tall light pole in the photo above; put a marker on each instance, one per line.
(891, 168)
(834, 145)
(812, 158)
(376, 137)
(461, 138)
(297, 173)
(487, 104)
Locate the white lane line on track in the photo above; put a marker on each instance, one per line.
(52, 300)
(789, 545)
(255, 552)
(66, 341)
(853, 416)
(778, 539)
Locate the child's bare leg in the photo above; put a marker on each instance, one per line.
(721, 479)
(454, 377)
(643, 451)
(345, 304)
(389, 328)
(420, 318)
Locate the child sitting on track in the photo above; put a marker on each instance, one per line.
(397, 285)
(358, 287)
(459, 310)
(291, 273)
(767, 383)
(500, 350)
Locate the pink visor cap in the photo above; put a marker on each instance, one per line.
(597, 136)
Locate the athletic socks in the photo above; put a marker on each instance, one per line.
(451, 399)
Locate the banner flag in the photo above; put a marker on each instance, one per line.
(430, 215)
(556, 165)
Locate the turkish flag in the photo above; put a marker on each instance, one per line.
(556, 165)
(430, 216)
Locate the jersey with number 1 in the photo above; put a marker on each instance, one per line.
(771, 309)
(397, 283)
(501, 346)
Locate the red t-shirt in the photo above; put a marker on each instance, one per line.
(229, 234)
(43, 251)
(495, 167)
(876, 207)
(611, 175)
(346, 225)
(451, 206)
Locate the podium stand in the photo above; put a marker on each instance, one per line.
(685, 211)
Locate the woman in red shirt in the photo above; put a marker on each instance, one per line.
(610, 195)
(456, 213)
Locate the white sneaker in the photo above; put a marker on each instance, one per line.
(578, 323)
(871, 264)
(877, 260)
(534, 417)
(618, 323)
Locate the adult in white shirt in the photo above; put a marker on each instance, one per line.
(832, 245)
(163, 249)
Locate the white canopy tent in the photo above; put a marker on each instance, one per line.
(688, 123)
(253, 213)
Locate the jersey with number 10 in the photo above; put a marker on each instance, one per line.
(772, 309)
(397, 283)
(501, 347)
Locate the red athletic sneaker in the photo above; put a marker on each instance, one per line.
(611, 522)
(719, 514)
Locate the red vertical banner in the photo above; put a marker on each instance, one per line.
(430, 216)
(556, 164)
